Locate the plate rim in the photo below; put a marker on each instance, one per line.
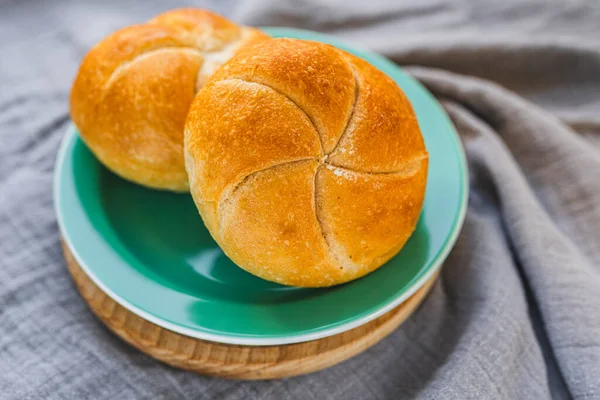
(71, 134)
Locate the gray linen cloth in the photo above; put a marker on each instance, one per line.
(516, 312)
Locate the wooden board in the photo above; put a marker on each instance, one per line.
(234, 361)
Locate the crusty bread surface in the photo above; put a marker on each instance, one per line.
(133, 90)
(306, 163)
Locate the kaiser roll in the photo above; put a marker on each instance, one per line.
(133, 90)
(305, 162)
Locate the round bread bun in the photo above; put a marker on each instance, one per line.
(133, 90)
(306, 163)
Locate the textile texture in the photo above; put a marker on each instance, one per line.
(516, 311)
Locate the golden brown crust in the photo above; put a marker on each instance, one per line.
(364, 215)
(277, 207)
(318, 79)
(381, 104)
(241, 127)
(133, 90)
(208, 30)
(303, 177)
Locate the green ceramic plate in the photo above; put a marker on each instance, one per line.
(151, 253)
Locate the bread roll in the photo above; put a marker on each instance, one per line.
(305, 162)
(133, 90)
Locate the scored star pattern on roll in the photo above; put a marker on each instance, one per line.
(306, 163)
(133, 91)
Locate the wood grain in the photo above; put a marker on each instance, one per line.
(234, 361)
